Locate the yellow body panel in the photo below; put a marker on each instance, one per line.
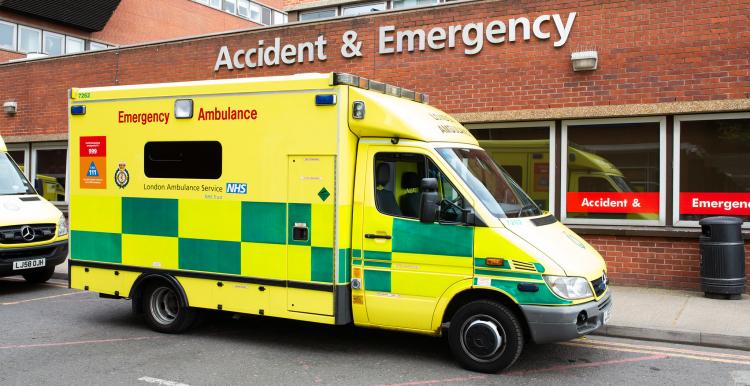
(264, 260)
(150, 251)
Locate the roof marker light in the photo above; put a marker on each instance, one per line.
(183, 108)
(392, 90)
(325, 99)
(377, 86)
(78, 110)
(408, 94)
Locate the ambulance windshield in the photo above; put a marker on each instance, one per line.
(491, 184)
(12, 180)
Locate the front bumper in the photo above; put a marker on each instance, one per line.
(54, 254)
(559, 323)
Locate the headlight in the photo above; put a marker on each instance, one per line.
(569, 287)
(62, 226)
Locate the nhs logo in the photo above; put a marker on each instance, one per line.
(236, 188)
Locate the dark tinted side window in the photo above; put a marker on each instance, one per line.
(182, 159)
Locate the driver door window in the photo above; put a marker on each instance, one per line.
(397, 186)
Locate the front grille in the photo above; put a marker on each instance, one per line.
(522, 266)
(26, 253)
(600, 285)
(13, 234)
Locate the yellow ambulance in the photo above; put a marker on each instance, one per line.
(33, 232)
(327, 198)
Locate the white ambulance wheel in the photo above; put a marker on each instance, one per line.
(485, 336)
(164, 311)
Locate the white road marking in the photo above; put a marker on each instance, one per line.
(42, 298)
(80, 342)
(161, 381)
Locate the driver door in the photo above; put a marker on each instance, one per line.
(408, 264)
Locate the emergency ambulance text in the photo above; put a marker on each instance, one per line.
(142, 118)
(227, 114)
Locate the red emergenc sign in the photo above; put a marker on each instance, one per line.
(715, 203)
(93, 146)
(607, 202)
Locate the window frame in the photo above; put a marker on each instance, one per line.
(39, 41)
(335, 13)
(224, 4)
(91, 43)
(50, 146)
(359, 5)
(552, 150)
(69, 38)
(246, 5)
(62, 37)
(15, 35)
(662, 121)
(676, 153)
(434, 2)
(26, 149)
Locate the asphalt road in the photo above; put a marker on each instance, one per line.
(50, 334)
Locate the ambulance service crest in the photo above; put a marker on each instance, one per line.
(122, 177)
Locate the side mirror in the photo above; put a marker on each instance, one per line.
(428, 200)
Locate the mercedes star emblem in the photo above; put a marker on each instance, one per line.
(27, 233)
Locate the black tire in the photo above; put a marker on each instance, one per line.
(163, 310)
(485, 336)
(39, 276)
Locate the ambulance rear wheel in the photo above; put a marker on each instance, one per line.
(164, 312)
(485, 336)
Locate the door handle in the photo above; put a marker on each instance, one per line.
(374, 236)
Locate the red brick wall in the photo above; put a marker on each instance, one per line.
(650, 51)
(654, 261)
(9, 55)
(277, 4)
(136, 21)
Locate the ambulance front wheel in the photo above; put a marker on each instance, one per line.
(40, 276)
(485, 336)
(164, 312)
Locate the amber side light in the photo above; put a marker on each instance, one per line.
(495, 262)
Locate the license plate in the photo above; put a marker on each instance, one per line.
(28, 264)
(607, 316)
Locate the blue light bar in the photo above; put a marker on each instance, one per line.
(78, 110)
(325, 99)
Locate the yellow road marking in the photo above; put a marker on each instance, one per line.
(698, 356)
(669, 349)
(42, 298)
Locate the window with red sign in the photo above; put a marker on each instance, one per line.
(613, 171)
(714, 167)
(523, 150)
